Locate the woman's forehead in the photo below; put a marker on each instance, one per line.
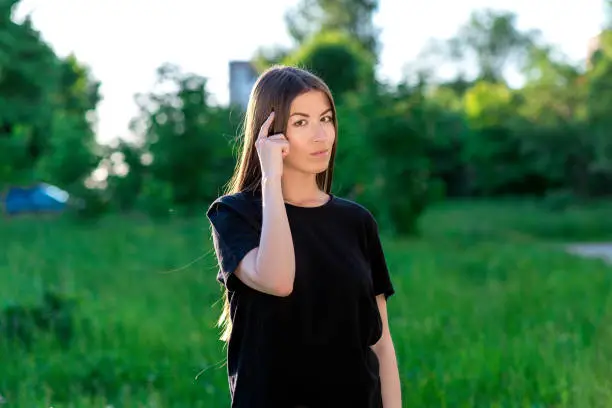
(311, 102)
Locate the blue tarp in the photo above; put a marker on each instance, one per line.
(34, 199)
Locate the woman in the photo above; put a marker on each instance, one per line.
(304, 271)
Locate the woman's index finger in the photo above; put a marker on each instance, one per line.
(263, 132)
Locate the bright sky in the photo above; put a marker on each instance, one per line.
(124, 41)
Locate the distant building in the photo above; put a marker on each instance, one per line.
(242, 77)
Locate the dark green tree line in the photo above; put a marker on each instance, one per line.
(402, 146)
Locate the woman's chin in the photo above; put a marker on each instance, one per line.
(320, 169)
(311, 168)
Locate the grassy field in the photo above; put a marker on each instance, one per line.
(489, 312)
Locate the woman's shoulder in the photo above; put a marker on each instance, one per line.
(351, 206)
(244, 203)
(241, 197)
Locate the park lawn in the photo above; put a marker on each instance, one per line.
(482, 317)
(518, 220)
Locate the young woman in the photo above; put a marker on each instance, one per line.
(304, 271)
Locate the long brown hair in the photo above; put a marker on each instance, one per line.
(274, 90)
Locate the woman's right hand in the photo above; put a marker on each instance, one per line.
(271, 150)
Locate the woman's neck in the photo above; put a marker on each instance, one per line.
(300, 188)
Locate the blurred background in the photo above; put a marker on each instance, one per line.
(479, 133)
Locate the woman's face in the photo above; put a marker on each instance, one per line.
(311, 133)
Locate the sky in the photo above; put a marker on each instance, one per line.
(123, 42)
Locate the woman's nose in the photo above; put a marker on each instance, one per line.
(320, 133)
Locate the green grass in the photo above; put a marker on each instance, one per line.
(487, 313)
(518, 220)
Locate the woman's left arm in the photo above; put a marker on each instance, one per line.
(385, 351)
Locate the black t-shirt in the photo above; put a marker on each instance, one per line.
(311, 348)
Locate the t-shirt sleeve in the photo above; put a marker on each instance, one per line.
(380, 272)
(233, 236)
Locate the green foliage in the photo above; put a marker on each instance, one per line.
(351, 17)
(69, 157)
(410, 143)
(493, 40)
(14, 156)
(381, 157)
(398, 136)
(600, 102)
(488, 104)
(547, 138)
(324, 53)
(183, 157)
(354, 168)
(554, 94)
(26, 93)
(45, 107)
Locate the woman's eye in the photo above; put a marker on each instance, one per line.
(300, 123)
(327, 119)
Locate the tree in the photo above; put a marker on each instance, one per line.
(352, 17)
(28, 77)
(184, 154)
(72, 152)
(324, 53)
(599, 105)
(494, 41)
(554, 93)
(46, 106)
